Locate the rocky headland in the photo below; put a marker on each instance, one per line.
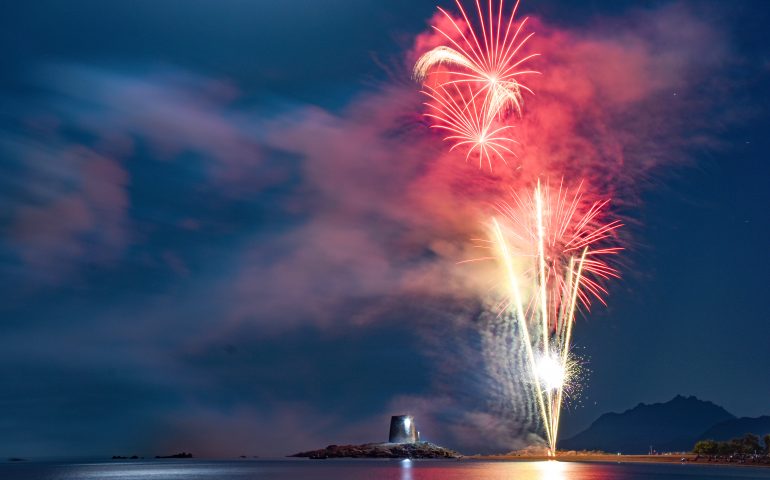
(381, 450)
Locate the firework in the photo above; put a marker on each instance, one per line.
(553, 248)
(479, 69)
(467, 124)
(553, 245)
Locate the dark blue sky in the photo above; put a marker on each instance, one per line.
(150, 211)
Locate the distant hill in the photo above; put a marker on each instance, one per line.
(737, 427)
(672, 426)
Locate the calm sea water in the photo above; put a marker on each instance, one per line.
(369, 470)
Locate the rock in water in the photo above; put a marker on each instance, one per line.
(381, 450)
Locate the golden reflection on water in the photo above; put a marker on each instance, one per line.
(544, 470)
(551, 470)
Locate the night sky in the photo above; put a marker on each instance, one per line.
(194, 254)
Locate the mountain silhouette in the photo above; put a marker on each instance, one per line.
(737, 427)
(672, 426)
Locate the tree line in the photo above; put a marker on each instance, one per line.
(748, 444)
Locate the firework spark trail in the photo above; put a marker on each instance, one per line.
(541, 238)
(513, 284)
(567, 338)
(489, 70)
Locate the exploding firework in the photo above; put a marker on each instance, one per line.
(467, 124)
(553, 247)
(476, 77)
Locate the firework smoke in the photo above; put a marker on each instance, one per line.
(551, 245)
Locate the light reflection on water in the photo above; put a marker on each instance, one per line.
(552, 470)
(371, 470)
(406, 470)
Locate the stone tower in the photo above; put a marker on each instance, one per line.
(403, 429)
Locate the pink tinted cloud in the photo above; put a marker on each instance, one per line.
(83, 218)
(175, 112)
(609, 103)
(390, 211)
(386, 211)
(609, 97)
(79, 212)
(374, 210)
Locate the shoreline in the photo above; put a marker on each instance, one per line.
(689, 459)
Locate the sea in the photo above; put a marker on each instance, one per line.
(369, 470)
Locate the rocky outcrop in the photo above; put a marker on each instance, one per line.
(176, 455)
(381, 450)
